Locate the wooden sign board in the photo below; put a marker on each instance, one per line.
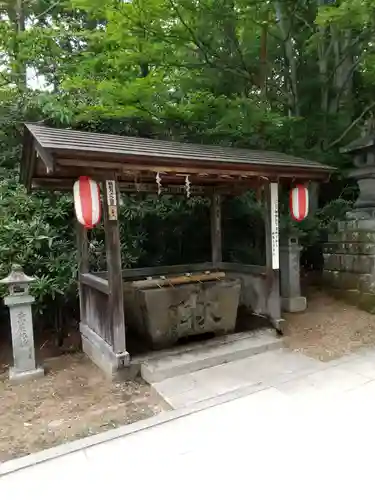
(111, 200)
(274, 187)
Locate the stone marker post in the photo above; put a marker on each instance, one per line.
(19, 302)
(290, 279)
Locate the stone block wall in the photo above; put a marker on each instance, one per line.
(349, 262)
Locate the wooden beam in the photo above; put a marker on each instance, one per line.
(95, 282)
(146, 180)
(119, 163)
(216, 238)
(177, 280)
(65, 184)
(46, 156)
(52, 184)
(313, 197)
(31, 164)
(83, 265)
(242, 268)
(118, 167)
(83, 249)
(113, 250)
(145, 272)
(168, 189)
(28, 161)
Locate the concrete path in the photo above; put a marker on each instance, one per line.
(248, 375)
(309, 436)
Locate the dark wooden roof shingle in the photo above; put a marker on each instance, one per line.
(54, 139)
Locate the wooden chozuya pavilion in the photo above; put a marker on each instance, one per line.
(55, 158)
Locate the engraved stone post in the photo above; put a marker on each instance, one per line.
(19, 302)
(290, 282)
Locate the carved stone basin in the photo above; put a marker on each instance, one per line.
(164, 313)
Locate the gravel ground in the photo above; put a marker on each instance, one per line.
(329, 328)
(74, 400)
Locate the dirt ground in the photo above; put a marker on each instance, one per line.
(45, 343)
(329, 328)
(74, 400)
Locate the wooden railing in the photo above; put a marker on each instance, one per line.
(94, 292)
(143, 272)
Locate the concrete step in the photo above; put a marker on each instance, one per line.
(221, 350)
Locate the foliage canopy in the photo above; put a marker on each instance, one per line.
(291, 75)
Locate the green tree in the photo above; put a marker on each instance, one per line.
(290, 75)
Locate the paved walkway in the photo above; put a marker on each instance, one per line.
(311, 436)
(251, 374)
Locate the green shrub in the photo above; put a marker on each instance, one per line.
(37, 232)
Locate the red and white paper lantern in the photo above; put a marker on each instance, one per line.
(299, 202)
(87, 202)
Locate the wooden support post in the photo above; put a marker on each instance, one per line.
(272, 254)
(83, 264)
(113, 250)
(313, 197)
(216, 239)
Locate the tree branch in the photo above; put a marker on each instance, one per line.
(344, 56)
(48, 9)
(351, 126)
(207, 51)
(192, 34)
(348, 76)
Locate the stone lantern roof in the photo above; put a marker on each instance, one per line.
(362, 150)
(368, 141)
(17, 277)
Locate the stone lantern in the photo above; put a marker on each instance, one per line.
(349, 255)
(19, 302)
(363, 153)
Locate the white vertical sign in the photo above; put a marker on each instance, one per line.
(111, 200)
(274, 194)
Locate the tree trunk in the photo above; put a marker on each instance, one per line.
(343, 75)
(17, 16)
(323, 54)
(290, 59)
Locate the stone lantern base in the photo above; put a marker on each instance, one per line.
(19, 377)
(349, 263)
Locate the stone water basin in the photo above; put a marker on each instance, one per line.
(167, 309)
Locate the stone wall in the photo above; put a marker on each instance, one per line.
(349, 262)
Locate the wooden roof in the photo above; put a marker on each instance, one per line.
(55, 158)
